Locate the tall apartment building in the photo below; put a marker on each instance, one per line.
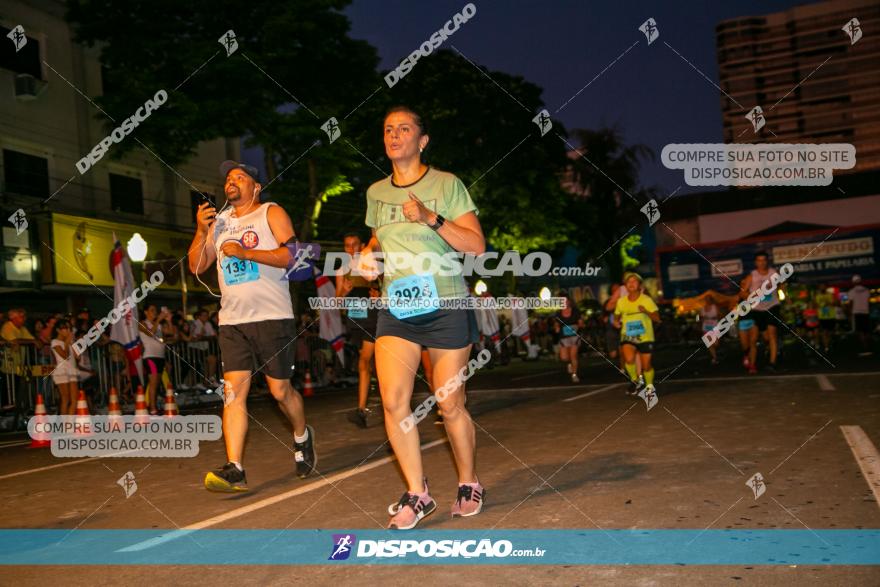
(46, 126)
(812, 83)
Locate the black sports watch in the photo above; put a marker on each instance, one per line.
(437, 223)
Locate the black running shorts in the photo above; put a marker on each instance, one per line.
(440, 329)
(362, 330)
(266, 346)
(646, 348)
(764, 319)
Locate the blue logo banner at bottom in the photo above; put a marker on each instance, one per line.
(493, 547)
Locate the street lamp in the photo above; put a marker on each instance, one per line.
(137, 247)
(480, 287)
(544, 293)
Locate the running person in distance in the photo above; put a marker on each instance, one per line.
(635, 314)
(568, 323)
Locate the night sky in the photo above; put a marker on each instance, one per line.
(655, 96)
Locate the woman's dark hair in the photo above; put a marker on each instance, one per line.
(418, 119)
(58, 326)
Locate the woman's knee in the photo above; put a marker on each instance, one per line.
(453, 411)
(396, 400)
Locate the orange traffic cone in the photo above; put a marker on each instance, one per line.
(40, 439)
(83, 421)
(113, 408)
(170, 405)
(140, 406)
(308, 390)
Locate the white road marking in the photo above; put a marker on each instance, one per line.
(825, 383)
(588, 394)
(866, 456)
(29, 471)
(14, 443)
(59, 465)
(423, 396)
(244, 510)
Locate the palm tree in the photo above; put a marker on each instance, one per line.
(604, 174)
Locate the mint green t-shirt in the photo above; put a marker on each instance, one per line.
(440, 192)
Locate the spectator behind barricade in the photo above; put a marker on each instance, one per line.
(215, 321)
(203, 332)
(44, 335)
(186, 375)
(152, 339)
(117, 365)
(84, 316)
(169, 331)
(170, 338)
(15, 358)
(66, 373)
(88, 380)
(14, 329)
(81, 322)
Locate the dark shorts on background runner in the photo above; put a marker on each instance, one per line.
(363, 329)
(646, 348)
(828, 324)
(763, 319)
(266, 345)
(862, 323)
(440, 329)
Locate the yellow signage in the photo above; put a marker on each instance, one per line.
(82, 249)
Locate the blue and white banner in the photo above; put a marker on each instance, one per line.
(439, 547)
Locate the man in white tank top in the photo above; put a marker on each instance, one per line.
(257, 328)
(766, 314)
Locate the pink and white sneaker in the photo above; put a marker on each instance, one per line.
(410, 509)
(469, 501)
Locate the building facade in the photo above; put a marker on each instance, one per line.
(811, 81)
(47, 124)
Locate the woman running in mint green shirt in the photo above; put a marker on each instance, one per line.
(419, 210)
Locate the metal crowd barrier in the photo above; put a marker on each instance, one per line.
(25, 370)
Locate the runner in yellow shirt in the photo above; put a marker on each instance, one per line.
(635, 314)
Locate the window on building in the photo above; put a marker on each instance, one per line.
(25, 60)
(27, 175)
(126, 194)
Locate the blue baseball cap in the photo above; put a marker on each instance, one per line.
(229, 165)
